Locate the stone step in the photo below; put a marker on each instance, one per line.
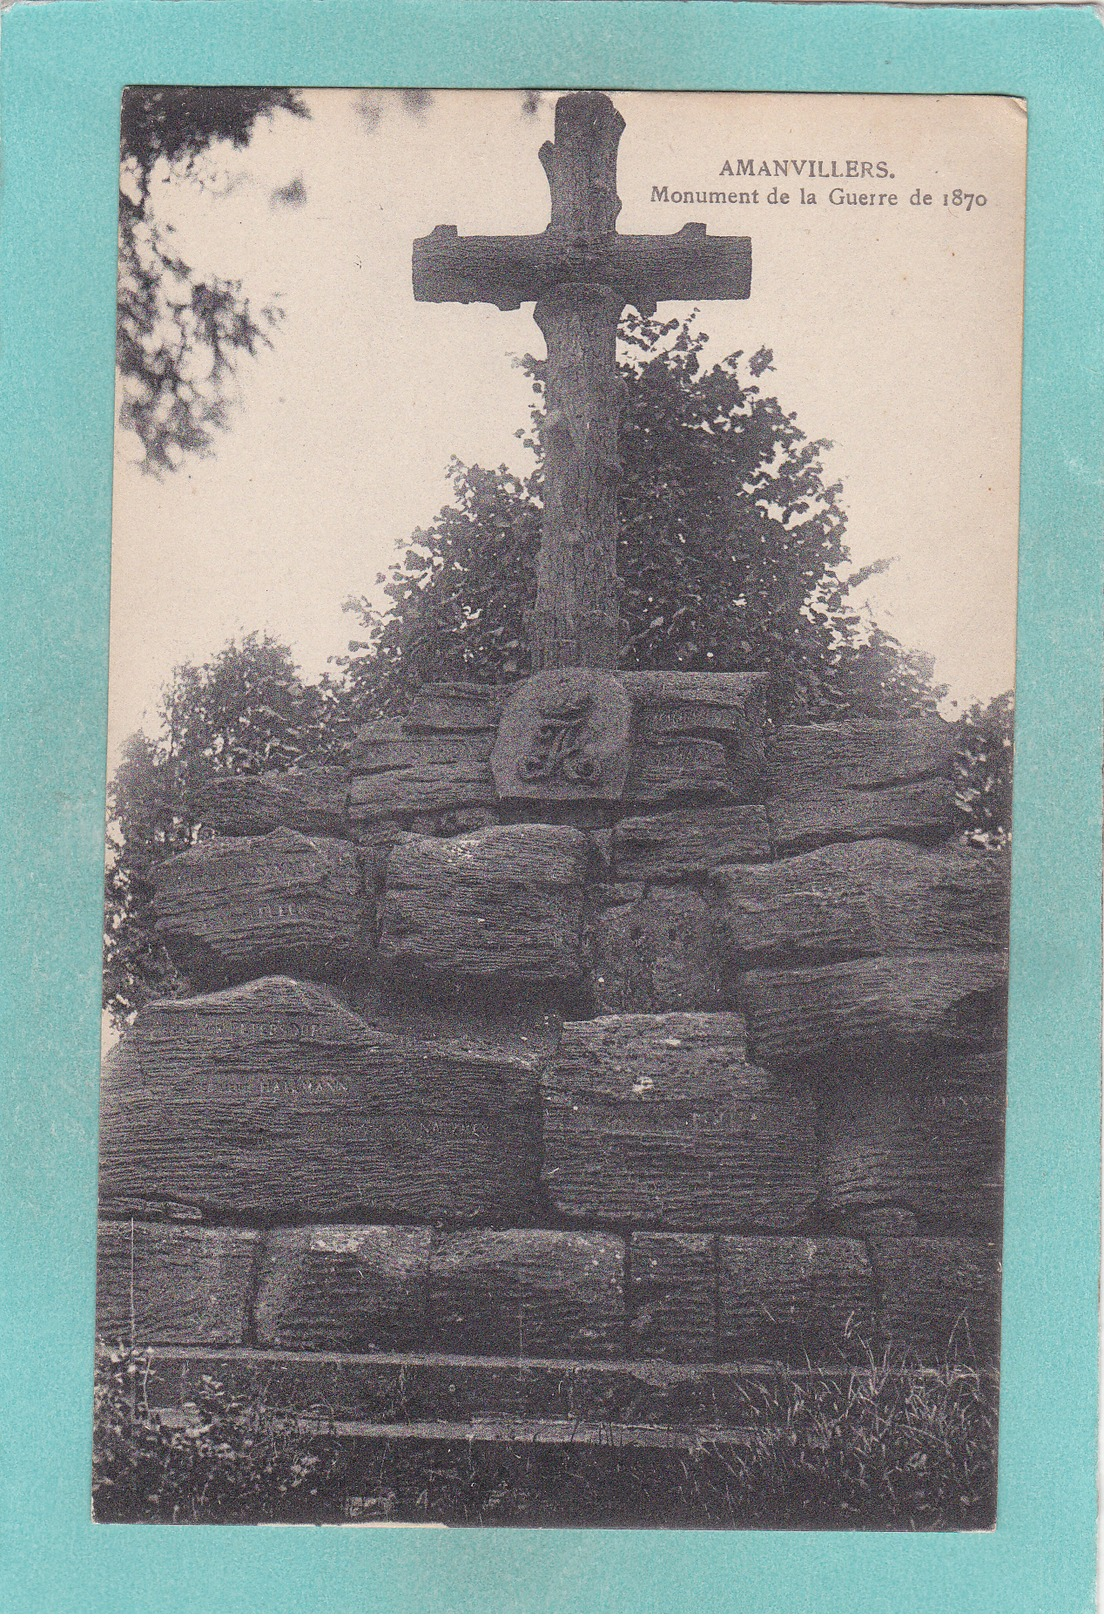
(519, 1430)
(494, 1398)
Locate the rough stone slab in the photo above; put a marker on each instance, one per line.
(938, 1299)
(892, 1009)
(456, 705)
(687, 843)
(663, 1120)
(424, 789)
(874, 898)
(727, 708)
(503, 903)
(883, 1220)
(360, 1287)
(239, 907)
(673, 1296)
(933, 1152)
(314, 802)
(670, 771)
(172, 1283)
(658, 953)
(607, 895)
(375, 752)
(527, 1292)
(919, 812)
(377, 733)
(275, 1097)
(374, 843)
(857, 753)
(657, 687)
(792, 1298)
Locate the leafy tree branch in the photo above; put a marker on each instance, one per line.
(180, 333)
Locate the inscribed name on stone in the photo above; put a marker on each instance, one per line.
(277, 1100)
(563, 737)
(240, 907)
(663, 1120)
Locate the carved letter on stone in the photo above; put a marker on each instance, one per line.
(563, 736)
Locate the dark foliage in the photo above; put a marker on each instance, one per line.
(731, 552)
(983, 771)
(246, 711)
(179, 334)
(224, 1458)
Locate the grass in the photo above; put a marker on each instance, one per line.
(887, 1445)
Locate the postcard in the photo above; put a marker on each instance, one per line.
(561, 1035)
(594, 632)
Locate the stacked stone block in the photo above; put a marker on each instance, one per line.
(710, 1073)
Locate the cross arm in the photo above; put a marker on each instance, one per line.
(503, 270)
(511, 270)
(690, 266)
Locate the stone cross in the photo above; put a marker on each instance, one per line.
(581, 274)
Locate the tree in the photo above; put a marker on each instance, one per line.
(731, 552)
(983, 772)
(245, 711)
(179, 333)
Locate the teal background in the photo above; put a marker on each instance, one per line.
(62, 68)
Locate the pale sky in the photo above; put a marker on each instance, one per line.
(896, 333)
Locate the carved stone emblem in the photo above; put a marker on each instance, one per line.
(563, 736)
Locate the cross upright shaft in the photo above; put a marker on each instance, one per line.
(581, 274)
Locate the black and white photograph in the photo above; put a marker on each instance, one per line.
(563, 602)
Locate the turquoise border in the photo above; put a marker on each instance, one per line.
(62, 67)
